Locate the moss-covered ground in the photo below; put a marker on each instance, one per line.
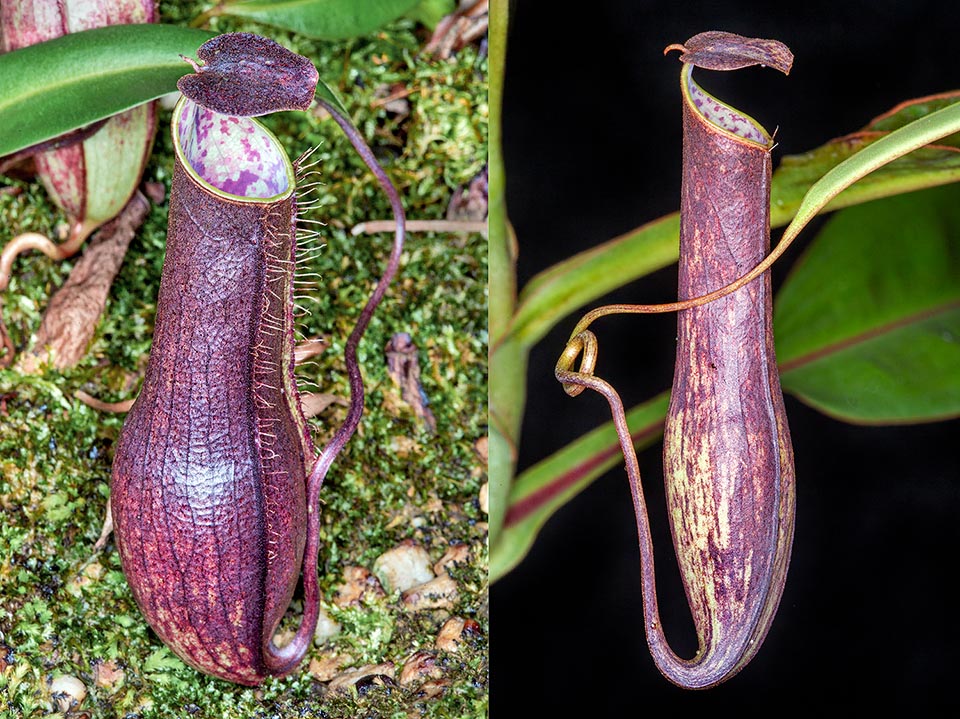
(66, 609)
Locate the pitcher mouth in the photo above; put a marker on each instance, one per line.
(231, 156)
(720, 114)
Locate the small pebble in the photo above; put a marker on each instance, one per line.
(439, 593)
(456, 554)
(343, 682)
(327, 628)
(484, 506)
(406, 565)
(67, 692)
(448, 639)
(327, 666)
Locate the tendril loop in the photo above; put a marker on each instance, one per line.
(585, 342)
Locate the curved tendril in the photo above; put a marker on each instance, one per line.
(585, 342)
(282, 659)
(23, 243)
(574, 383)
(743, 280)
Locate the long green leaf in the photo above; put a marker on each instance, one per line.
(321, 19)
(49, 89)
(508, 364)
(508, 360)
(898, 143)
(926, 167)
(431, 12)
(868, 323)
(568, 285)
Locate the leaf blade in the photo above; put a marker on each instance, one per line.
(508, 360)
(83, 77)
(322, 19)
(882, 344)
(898, 143)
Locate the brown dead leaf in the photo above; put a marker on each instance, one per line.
(156, 192)
(470, 202)
(108, 674)
(460, 28)
(439, 593)
(313, 403)
(357, 584)
(363, 676)
(310, 348)
(6, 657)
(403, 447)
(100, 405)
(72, 315)
(480, 447)
(90, 575)
(393, 99)
(106, 530)
(404, 369)
(422, 665)
(328, 665)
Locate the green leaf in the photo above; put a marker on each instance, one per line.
(78, 79)
(431, 12)
(868, 323)
(907, 112)
(321, 19)
(544, 488)
(568, 285)
(924, 168)
(51, 88)
(508, 359)
(898, 143)
(507, 396)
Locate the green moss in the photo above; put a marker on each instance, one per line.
(66, 609)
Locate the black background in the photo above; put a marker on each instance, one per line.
(592, 144)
